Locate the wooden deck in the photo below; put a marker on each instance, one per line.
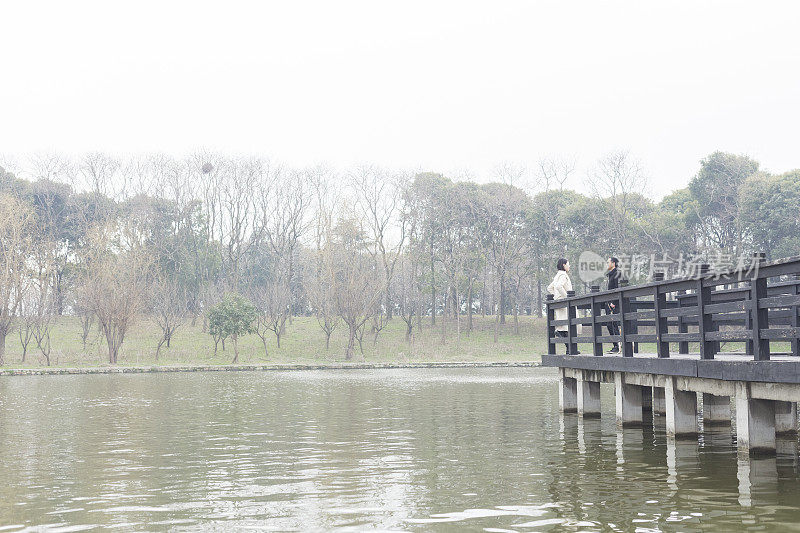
(757, 309)
(724, 366)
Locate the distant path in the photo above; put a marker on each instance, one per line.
(285, 366)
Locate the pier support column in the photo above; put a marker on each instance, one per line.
(785, 418)
(588, 398)
(716, 410)
(629, 402)
(567, 394)
(647, 399)
(755, 422)
(659, 404)
(681, 411)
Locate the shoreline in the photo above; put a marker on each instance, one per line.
(261, 367)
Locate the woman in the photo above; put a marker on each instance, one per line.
(558, 288)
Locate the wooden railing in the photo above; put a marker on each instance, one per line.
(751, 307)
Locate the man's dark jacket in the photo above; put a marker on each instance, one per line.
(613, 283)
(613, 278)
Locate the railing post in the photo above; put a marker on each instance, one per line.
(624, 307)
(795, 322)
(748, 323)
(683, 327)
(551, 329)
(758, 290)
(712, 325)
(597, 329)
(659, 303)
(572, 314)
(704, 320)
(633, 327)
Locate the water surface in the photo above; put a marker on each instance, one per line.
(353, 450)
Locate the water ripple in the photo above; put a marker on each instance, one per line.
(384, 450)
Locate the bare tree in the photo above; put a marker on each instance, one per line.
(286, 207)
(169, 307)
(86, 318)
(513, 174)
(262, 329)
(273, 302)
(357, 284)
(321, 292)
(41, 333)
(320, 276)
(503, 212)
(409, 293)
(116, 284)
(98, 173)
(617, 178)
(232, 193)
(519, 273)
(379, 200)
(553, 172)
(16, 224)
(41, 275)
(26, 314)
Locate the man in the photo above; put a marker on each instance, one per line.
(613, 275)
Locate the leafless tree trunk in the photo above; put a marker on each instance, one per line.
(617, 178)
(469, 303)
(379, 198)
(115, 287)
(235, 338)
(170, 309)
(25, 331)
(87, 321)
(261, 329)
(358, 288)
(16, 225)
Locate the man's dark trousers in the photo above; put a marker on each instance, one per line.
(613, 327)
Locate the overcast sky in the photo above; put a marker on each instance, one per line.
(456, 87)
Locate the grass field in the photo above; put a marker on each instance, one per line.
(303, 342)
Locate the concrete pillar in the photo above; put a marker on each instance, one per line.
(755, 422)
(629, 402)
(716, 410)
(568, 394)
(785, 418)
(647, 399)
(589, 398)
(659, 404)
(681, 410)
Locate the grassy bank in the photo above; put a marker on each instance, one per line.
(303, 342)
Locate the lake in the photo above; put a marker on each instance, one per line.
(352, 450)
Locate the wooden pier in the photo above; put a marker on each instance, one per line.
(731, 337)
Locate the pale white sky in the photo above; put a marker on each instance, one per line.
(443, 86)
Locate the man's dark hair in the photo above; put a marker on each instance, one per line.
(615, 261)
(561, 263)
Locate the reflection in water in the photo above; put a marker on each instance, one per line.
(757, 476)
(413, 450)
(681, 460)
(630, 439)
(588, 432)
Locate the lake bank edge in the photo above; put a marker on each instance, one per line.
(263, 367)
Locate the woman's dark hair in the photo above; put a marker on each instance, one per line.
(561, 263)
(615, 261)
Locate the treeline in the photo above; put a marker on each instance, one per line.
(107, 241)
